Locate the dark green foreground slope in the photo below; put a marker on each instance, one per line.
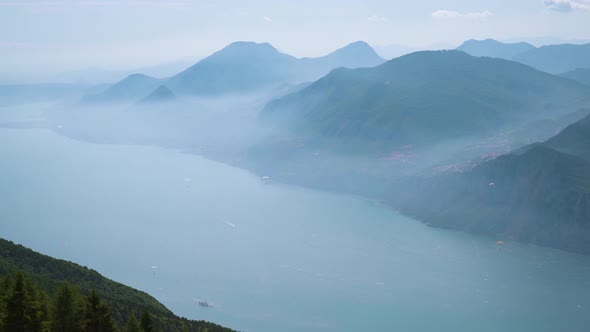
(49, 274)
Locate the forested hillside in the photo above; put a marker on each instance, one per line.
(41, 293)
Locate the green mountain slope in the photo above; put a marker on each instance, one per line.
(50, 273)
(574, 140)
(422, 98)
(538, 194)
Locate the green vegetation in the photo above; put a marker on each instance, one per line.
(538, 194)
(40, 293)
(574, 140)
(420, 99)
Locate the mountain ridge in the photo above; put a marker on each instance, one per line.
(538, 194)
(245, 66)
(479, 93)
(493, 48)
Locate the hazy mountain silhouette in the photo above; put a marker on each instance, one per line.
(581, 75)
(132, 88)
(493, 48)
(557, 59)
(243, 67)
(355, 55)
(161, 94)
(553, 59)
(239, 67)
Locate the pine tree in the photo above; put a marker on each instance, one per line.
(5, 287)
(25, 309)
(98, 317)
(133, 324)
(67, 311)
(147, 324)
(43, 309)
(36, 308)
(16, 312)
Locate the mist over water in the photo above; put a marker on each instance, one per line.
(271, 257)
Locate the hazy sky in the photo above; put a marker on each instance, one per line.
(72, 34)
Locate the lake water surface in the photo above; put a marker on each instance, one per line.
(271, 257)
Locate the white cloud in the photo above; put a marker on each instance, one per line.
(567, 5)
(268, 19)
(443, 14)
(376, 19)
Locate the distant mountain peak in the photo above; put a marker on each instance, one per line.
(359, 44)
(161, 94)
(248, 48)
(491, 41)
(475, 41)
(493, 48)
(138, 76)
(249, 44)
(355, 49)
(353, 55)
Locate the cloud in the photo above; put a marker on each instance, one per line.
(444, 14)
(567, 5)
(268, 19)
(376, 19)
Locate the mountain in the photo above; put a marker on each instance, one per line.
(243, 67)
(538, 194)
(50, 273)
(581, 75)
(557, 59)
(247, 66)
(239, 67)
(132, 88)
(160, 95)
(574, 140)
(493, 48)
(355, 55)
(553, 59)
(422, 98)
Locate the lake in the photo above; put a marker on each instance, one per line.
(271, 257)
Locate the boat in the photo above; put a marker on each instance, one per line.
(204, 304)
